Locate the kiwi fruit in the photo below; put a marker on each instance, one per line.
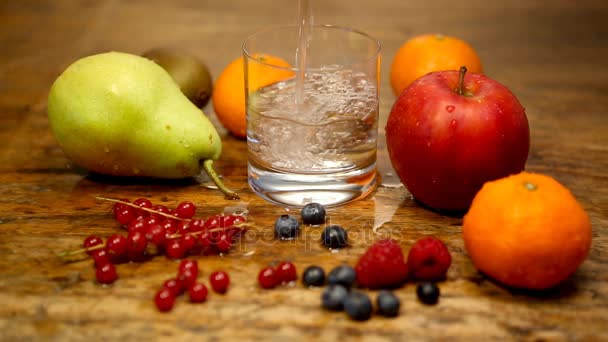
(189, 72)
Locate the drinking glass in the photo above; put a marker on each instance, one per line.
(312, 114)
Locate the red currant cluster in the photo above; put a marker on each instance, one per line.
(270, 277)
(176, 231)
(155, 229)
(186, 280)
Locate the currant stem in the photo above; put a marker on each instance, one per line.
(208, 167)
(213, 230)
(463, 71)
(113, 200)
(81, 250)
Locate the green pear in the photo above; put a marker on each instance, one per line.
(123, 115)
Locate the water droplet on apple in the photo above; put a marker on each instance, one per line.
(450, 108)
(453, 123)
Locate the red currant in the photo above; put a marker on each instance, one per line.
(188, 264)
(117, 246)
(156, 234)
(170, 226)
(185, 209)
(213, 222)
(198, 293)
(268, 278)
(196, 225)
(143, 203)
(136, 245)
(136, 224)
(125, 215)
(224, 243)
(188, 242)
(219, 281)
(187, 277)
(150, 220)
(175, 250)
(164, 299)
(169, 236)
(239, 219)
(106, 273)
(204, 239)
(286, 272)
(232, 220)
(118, 206)
(100, 257)
(174, 285)
(141, 215)
(91, 242)
(224, 221)
(161, 209)
(214, 234)
(183, 227)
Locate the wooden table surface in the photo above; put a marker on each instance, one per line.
(552, 55)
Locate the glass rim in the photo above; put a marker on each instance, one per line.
(326, 26)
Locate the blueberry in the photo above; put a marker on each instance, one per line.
(343, 275)
(286, 227)
(313, 276)
(334, 236)
(388, 304)
(427, 292)
(313, 213)
(358, 306)
(333, 297)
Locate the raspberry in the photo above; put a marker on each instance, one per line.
(382, 265)
(429, 259)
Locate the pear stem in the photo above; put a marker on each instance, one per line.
(208, 167)
(463, 71)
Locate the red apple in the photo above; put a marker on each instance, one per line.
(448, 133)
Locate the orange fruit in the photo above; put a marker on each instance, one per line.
(526, 231)
(229, 90)
(428, 53)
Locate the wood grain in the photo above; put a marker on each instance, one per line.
(552, 55)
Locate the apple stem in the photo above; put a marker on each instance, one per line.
(463, 71)
(208, 166)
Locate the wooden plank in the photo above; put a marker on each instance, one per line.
(551, 56)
